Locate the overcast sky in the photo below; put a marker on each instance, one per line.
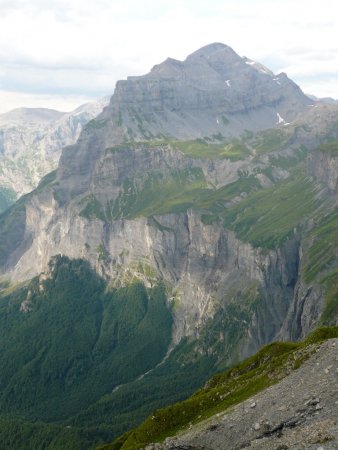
(61, 53)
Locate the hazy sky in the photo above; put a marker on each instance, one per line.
(61, 53)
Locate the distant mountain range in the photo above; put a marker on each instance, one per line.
(31, 140)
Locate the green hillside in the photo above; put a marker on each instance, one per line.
(66, 341)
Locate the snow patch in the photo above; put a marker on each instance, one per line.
(263, 70)
(277, 81)
(259, 67)
(280, 119)
(227, 82)
(217, 121)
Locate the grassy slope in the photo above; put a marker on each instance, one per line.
(198, 148)
(175, 193)
(269, 217)
(267, 367)
(330, 148)
(158, 194)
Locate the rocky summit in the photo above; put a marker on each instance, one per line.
(193, 222)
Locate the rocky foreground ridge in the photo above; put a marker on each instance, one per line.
(300, 412)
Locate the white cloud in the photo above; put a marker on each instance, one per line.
(82, 47)
(12, 100)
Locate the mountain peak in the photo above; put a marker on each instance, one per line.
(212, 82)
(216, 49)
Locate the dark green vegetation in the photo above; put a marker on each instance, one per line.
(20, 435)
(267, 367)
(73, 351)
(7, 198)
(330, 148)
(67, 341)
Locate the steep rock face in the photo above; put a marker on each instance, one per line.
(205, 266)
(304, 311)
(212, 77)
(324, 166)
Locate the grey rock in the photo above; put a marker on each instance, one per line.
(31, 140)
